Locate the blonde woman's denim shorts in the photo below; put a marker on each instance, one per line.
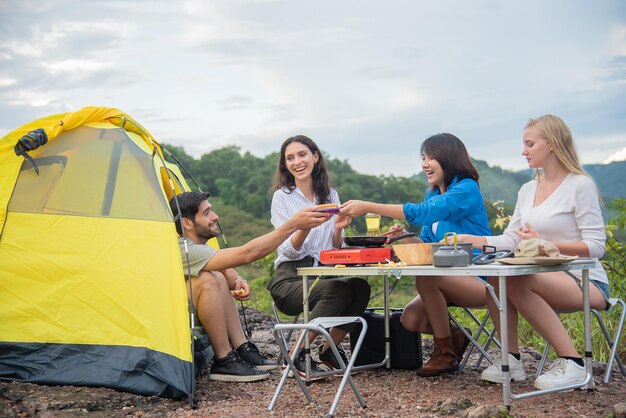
(602, 287)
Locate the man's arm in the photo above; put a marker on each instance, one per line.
(237, 284)
(231, 276)
(260, 247)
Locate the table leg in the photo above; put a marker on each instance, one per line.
(387, 321)
(504, 343)
(305, 314)
(587, 312)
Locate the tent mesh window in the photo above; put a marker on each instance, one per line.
(86, 172)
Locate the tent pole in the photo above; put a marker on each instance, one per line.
(191, 397)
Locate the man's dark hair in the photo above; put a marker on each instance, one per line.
(189, 203)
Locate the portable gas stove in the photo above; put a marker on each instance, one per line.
(356, 255)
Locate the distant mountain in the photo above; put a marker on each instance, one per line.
(240, 185)
(610, 178)
(496, 183)
(499, 184)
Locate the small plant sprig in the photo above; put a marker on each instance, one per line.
(502, 218)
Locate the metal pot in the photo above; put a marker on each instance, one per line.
(465, 247)
(451, 255)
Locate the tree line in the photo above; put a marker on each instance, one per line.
(244, 181)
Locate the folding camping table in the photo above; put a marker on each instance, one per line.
(502, 271)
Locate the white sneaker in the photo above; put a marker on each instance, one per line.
(562, 372)
(493, 373)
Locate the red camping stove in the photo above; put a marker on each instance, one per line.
(356, 255)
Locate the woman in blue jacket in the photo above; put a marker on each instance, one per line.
(453, 203)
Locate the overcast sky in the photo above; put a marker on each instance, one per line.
(367, 80)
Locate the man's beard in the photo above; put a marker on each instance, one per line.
(205, 233)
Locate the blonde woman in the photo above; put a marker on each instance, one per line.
(560, 205)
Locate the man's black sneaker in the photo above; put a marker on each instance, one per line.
(250, 353)
(233, 369)
(328, 358)
(300, 364)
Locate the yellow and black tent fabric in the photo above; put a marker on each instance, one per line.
(92, 290)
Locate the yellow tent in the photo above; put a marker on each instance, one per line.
(91, 281)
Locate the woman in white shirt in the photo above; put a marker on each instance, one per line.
(302, 181)
(560, 205)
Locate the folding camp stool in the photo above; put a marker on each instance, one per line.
(612, 342)
(482, 329)
(320, 326)
(285, 337)
(474, 339)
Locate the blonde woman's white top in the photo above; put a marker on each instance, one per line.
(571, 213)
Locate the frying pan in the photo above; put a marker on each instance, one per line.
(374, 241)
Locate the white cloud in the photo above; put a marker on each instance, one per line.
(365, 81)
(617, 40)
(6, 81)
(76, 65)
(30, 98)
(40, 42)
(110, 27)
(616, 156)
(200, 9)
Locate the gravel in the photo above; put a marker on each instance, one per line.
(399, 393)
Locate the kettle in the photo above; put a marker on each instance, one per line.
(450, 255)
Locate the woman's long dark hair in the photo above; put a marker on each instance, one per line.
(283, 178)
(452, 156)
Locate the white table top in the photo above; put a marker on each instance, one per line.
(493, 269)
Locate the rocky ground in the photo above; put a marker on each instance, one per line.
(388, 394)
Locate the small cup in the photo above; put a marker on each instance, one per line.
(372, 221)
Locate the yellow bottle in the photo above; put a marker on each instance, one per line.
(372, 221)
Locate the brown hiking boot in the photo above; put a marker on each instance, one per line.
(459, 341)
(442, 359)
